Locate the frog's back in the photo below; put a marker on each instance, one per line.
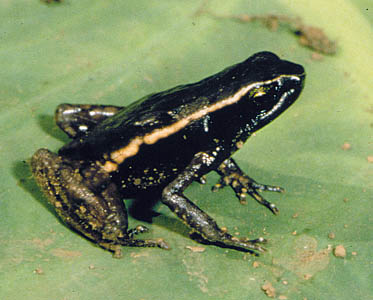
(143, 117)
(147, 115)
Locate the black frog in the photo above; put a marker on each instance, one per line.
(158, 146)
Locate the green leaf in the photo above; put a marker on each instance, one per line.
(115, 52)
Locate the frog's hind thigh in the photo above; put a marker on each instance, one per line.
(97, 215)
(93, 208)
(77, 119)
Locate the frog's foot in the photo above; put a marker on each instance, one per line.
(202, 180)
(226, 240)
(243, 185)
(87, 201)
(130, 241)
(115, 246)
(244, 243)
(200, 222)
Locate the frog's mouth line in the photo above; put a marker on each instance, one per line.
(132, 148)
(278, 105)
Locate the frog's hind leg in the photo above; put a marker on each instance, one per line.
(77, 119)
(194, 217)
(243, 185)
(87, 201)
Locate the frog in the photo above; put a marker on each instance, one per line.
(156, 147)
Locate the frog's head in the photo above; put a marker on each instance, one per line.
(277, 85)
(263, 86)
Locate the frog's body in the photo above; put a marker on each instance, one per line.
(160, 144)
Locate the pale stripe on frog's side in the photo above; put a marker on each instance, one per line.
(131, 149)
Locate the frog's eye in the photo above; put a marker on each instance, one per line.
(258, 92)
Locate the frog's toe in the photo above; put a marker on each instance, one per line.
(202, 180)
(161, 243)
(220, 184)
(137, 230)
(272, 207)
(266, 187)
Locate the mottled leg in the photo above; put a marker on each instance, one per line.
(243, 185)
(77, 119)
(193, 216)
(87, 201)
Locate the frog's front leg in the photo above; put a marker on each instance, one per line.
(193, 216)
(77, 119)
(243, 185)
(87, 201)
